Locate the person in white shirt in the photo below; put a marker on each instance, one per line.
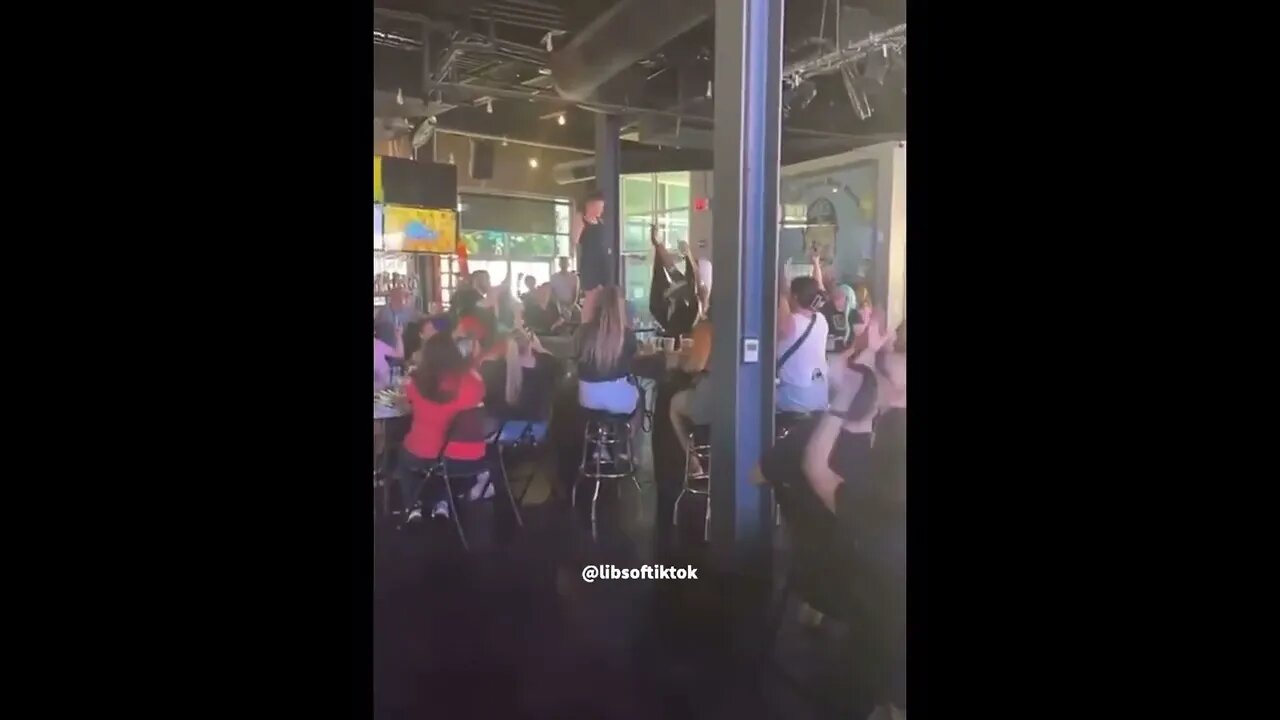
(802, 350)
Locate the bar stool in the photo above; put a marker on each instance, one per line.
(700, 448)
(606, 439)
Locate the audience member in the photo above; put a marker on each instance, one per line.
(565, 284)
(391, 318)
(692, 406)
(802, 349)
(606, 348)
(381, 352)
(443, 384)
(855, 480)
(540, 312)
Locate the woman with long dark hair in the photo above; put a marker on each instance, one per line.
(442, 385)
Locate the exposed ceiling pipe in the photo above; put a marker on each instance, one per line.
(623, 35)
(618, 109)
(513, 141)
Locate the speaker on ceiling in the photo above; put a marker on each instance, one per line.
(482, 159)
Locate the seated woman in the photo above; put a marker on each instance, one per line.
(692, 406)
(443, 385)
(540, 312)
(802, 350)
(864, 486)
(527, 393)
(605, 349)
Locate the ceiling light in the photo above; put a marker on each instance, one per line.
(504, 142)
(533, 162)
(399, 96)
(488, 107)
(560, 119)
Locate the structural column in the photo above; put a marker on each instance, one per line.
(744, 295)
(608, 165)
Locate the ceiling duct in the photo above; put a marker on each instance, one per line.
(574, 171)
(622, 36)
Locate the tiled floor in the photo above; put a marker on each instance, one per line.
(512, 631)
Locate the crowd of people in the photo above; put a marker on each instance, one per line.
(840, 394)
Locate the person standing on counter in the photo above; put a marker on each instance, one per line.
(594, 253)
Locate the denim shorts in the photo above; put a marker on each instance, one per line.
(614, 396)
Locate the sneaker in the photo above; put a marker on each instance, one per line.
(440, 510)
(413, 516)
(482, 485)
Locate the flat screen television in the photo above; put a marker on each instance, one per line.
(410, 183)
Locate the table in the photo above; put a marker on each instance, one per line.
(381, 414)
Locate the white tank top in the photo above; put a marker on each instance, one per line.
(809, 362)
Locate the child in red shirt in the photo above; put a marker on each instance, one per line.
(442, 385)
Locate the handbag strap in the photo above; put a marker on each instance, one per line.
(799, 341)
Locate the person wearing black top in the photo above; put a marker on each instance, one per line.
(594, 253)
(605, 348)
(862, 485)
(540, 314)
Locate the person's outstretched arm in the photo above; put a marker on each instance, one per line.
(661, 253)
(817, 270)
(817, 454)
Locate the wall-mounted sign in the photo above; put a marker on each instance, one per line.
(378, 195)
(422, 230)
(701, 204)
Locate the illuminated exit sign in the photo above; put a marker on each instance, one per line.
(701, 204)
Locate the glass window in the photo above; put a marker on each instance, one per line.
(562, 218)
(637, 194)
(660, 199)
(541, 271)
(531, 245)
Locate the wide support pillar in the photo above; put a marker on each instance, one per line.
(608, 165)
(747, 88)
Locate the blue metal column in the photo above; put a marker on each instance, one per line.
(608, 165)
(747, 89)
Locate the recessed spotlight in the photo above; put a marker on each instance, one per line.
(533, 162)
(488, 107)
(504, 142)
(560, 119)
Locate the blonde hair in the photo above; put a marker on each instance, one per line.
(606, 332)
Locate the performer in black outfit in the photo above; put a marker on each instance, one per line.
(594, 253)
